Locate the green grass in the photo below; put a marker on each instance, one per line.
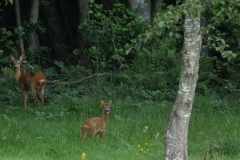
(53, 133)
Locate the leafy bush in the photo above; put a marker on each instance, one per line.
(154, 72)
(9, 88)
(107, 32)
(209, 71)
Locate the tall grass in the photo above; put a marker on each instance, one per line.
(135, 130)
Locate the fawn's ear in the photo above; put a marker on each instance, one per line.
(102, 102)
(110, 102)
(12, 58)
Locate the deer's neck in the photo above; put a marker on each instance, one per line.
(17, 74)
(104, 116)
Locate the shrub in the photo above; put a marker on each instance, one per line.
(107, 32)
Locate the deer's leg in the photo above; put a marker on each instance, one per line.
(24, 98)
(42, 96)
(34, 96)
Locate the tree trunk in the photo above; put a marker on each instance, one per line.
(157, 4)
(177, 128)
(55, 31)
(238, 41)
(83, 15)
(142, 8)
(18, 21)
(83, 10)
(33, 40)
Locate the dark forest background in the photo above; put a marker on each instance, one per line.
(115, 49)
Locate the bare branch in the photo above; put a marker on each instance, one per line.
(88, 77)
(80, 80)
(56, 81)
(232, 90)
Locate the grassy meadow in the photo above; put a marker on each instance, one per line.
(135, 130)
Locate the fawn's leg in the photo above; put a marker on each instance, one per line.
(83, 134)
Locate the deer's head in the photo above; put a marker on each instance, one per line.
(106, 106)
(16, 63)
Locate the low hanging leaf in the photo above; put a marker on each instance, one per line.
(229, 55)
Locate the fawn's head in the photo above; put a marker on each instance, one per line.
(106, 106)
(16, 63)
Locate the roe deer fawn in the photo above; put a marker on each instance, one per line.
(97, 125)
(29, 81)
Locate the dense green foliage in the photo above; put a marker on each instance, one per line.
(129, 58)
(108, 32)
(154, 72)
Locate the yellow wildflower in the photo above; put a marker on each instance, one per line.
(83, 155)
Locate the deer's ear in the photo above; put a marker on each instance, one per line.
(21, 58)
(102, 102)
(110, 102)
(12, 58)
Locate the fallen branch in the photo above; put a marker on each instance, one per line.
(83, 79)
(232, 90)
(88, 77)
(56, 81)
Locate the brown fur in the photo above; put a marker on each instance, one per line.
(97, 125)
(29, 82)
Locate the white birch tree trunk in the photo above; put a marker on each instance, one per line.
(177, 128)
(142, 8)
(34, 11)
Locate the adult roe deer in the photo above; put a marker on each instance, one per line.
(97, 125)
(29, 81)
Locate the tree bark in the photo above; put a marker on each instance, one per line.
(83, 15)
(18, 21)
(83, 10)
(83, 7)
(55, 30)
(33, 40)
(142, 8)
(238, 41)
(157, 4)
(177, 128)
